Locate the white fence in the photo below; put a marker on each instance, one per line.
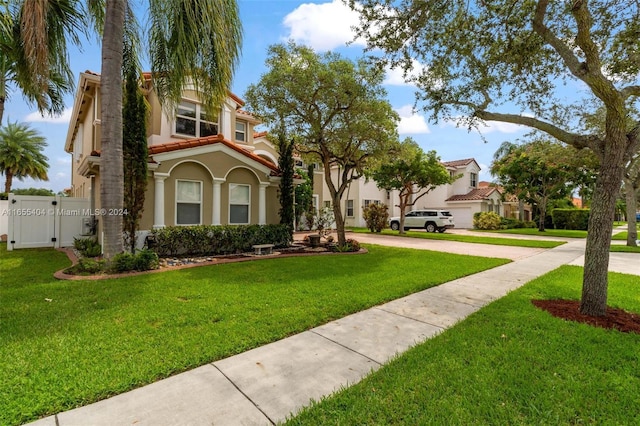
(37, 221)
(4, 219)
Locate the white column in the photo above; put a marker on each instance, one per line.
(217, 203)
(262, 204)
(158, 205)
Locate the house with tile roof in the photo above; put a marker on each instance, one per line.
(202, 170)
(462, 198)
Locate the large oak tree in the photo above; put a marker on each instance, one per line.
(509, 61)
(334, 108)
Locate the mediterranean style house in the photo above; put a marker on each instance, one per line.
(464, 197)
(202, 170)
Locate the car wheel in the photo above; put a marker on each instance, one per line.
(430, 227)
(395, 226)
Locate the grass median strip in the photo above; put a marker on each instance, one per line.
(480, 239)
(509, 363)
(70, 343)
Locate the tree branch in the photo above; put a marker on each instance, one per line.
(629, 91)
(574, 139)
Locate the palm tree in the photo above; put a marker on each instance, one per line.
(21, 154)
(194, 41)
(33, 51)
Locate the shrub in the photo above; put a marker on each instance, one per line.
(570, 218)
(86, 266)
(216, 240)
(146, 260)
(123, 262)
(376, 216)
(486, 221)
(88, 247)
(350, 245)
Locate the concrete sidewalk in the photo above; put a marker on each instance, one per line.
(266, 385)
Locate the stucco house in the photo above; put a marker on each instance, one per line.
(462, 198)
(202, 170)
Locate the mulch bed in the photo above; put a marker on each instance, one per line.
(621, 320)
(192, 262)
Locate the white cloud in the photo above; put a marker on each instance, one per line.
(396, 76)
(410, 122)
(323, 26)
(36, 117)
(63, 161)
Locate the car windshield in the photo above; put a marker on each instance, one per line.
(445, 213)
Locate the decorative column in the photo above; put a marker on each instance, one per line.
(158, 205)
(217, 203)
(262, 204)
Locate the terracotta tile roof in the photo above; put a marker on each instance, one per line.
(210, 140)
(260, 134)
(477, 194)
(459, 163)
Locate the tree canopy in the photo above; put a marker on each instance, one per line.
(335, 110)
(413, 173)
(21, 154)
(512, 61)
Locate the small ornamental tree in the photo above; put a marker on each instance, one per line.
(287, 211)
(413, 173)
(135, 156)
(376, 216)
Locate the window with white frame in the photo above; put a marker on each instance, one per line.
(239, 203)
(349, 208)
(473, 180)
(367, 203)
(192, 120)
(188, 202)
(241, 131)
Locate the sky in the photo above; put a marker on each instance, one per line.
(322, 25)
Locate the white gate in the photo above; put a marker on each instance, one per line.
(38, 221)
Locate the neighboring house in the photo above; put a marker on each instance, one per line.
(202, 170)
(511, 205)
(462, 198)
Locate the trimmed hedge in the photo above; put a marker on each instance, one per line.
(204, 240)
(570, 218)
(486, 221)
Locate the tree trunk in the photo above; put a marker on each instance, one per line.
(630, 198)
(8, 181)
(337, 215)
(603, 204)
(111, 172)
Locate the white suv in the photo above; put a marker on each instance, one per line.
(430, 220)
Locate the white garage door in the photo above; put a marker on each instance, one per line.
(463, 217)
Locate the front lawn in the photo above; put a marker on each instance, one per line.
(509, 363)
(70, 343)
(560, 233)
(619, 248)
(479, 239)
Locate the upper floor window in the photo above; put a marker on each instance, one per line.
(241, 131)
(192, 120)
(473, 180)
(349, 205)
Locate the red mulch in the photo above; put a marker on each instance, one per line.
(627, 322)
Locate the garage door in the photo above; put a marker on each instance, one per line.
(462, 216)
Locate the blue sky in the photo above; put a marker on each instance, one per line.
(322, 25)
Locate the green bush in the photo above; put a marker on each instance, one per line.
(508, 223)
(123, 262)
(350, 245)
(570, 218)
(217, 240)
(88, 247)
(486, 221)
(376, 216)
(86, 266)
(146, 260)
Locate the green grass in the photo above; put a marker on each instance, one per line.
(509, 363)
(70, 343)
(560, 233)
(480, 239)
(624, 249)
